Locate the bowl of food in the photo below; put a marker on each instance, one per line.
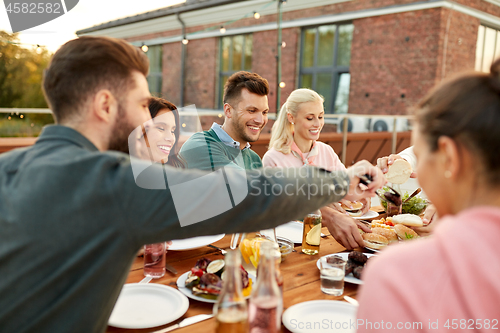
(286, 247)
(415, 205)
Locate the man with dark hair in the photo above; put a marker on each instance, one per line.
(245, 109)
(72, 217)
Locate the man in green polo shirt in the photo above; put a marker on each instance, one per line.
(245, 109)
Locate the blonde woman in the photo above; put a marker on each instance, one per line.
(294, 144)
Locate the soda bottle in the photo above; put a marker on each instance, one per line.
(266, 301)
(230, 310)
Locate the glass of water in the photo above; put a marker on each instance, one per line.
(332, 275)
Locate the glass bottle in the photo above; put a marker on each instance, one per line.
(230, 310)
(266, 302)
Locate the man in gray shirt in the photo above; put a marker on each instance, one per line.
(71, 214)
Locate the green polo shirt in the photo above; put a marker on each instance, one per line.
(206, 151)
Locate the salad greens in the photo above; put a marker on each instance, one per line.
(415, 205)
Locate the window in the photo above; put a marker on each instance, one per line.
(235, 56)
(155, 77)
(324, 64)
(487, 48)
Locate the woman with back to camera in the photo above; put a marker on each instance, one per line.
(294, 143)
(450, 278)
(163, 135)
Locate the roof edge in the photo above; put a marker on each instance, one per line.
(171, 10)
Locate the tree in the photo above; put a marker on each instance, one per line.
(21, 72)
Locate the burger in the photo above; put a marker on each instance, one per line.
(387, 233)
(355, 210)
(405, 233)
(375, 241)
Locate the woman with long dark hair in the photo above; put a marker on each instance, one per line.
(163, 136)
(451, 278)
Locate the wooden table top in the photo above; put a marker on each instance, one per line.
(301, 280)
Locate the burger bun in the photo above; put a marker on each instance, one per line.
(375, 241)
(399, 172)
(387, 233)
(355, 211)
(410, 220)
(405, 233)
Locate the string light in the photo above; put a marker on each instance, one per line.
(185, 41)
(38, 49)
(222, 29)
(9, 118)
(282, 84)
(220, 115)
(144, 48)
(256, 15)
(183, 125)
(283, 44)
(21, 116)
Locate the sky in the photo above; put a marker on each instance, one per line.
(87, 13)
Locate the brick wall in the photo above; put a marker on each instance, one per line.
(201, 63)
(171, 85)
(393, 61)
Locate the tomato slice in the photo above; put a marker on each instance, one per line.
(197, 271)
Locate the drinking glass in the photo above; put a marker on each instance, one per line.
(332, 276)
(154, 260)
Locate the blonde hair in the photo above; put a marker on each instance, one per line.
(282, 131)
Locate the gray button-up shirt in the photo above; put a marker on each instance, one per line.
(72, 219)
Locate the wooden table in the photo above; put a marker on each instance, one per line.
(301, 280)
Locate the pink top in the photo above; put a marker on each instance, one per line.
(454, 274)
(321, 155)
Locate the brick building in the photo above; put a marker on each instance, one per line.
(364, 56)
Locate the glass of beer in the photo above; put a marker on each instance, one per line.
(312, 233)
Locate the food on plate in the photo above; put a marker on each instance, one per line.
(387, 233)
(334, 260)
(385, 223)
(356, 209)
(358, 257)
(399, 172)
(375, 241)
(208, 284)
(408, 220)
(250, 249)
(404, 232)
(356, 262)
(357, 272)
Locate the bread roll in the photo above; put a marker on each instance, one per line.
(399, 172)
(375, 241)
(405, 233)
(408, 219)
(387, 233)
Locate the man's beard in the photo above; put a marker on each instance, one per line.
(240, 130)
(120, 132)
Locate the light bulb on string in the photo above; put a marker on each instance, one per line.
(38, 49)
(185, 41)
(222, 29)
(256, 15)
(283, 44)
(144, 48)
(282, 84)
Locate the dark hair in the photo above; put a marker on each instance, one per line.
(244, 80)
(83, 66)
(157, 104)
(467, 109)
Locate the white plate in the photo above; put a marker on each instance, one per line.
(181, 285)
(349, 277)
(142, 305)
(291, 230)
(368, 215)
(320, 316)
(194, 242)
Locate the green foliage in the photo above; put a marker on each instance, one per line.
(21, 73)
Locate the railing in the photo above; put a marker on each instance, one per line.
(357, 138)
